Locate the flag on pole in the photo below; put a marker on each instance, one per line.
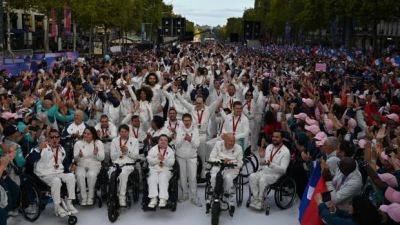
(67, 21)
(308, 209)
(54, 28)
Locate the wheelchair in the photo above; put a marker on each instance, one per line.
(217, 197)
(250, 165)
(172, 189)
(132, 191)
(35, 195)
(284, 192)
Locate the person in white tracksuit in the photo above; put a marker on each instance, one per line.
(49, 165)
(275, 160)
(237, 124)
(161, 159)
(106, 132)
(124, 149)
(201, 115)
(88, 155)
(187, 142)
(229, 152)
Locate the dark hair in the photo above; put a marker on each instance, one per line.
(148, 77)
(93, 131)
(237, 103)
(364, 212)
(348, 148)
(158, 121)
(172, 109)
(269, 118)
(54, 131)
(104, 116)
(135, 117)
(186, 115)
(147, 91)
(123, 126)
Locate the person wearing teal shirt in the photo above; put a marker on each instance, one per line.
(51, 110)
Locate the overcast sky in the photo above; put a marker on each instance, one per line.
(210, 12)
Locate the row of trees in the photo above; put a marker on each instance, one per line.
(304, 16)
(121, 15)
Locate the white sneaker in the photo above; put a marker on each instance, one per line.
(122, 201)
(60, 211)
(258, 204)
(183, 197)
(13, 213)
(153, 203)
(84, 202)
(162, 203)
(64, 206)
(89, 201)
(71, 207)
(196, 201)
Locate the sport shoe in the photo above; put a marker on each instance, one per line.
(196, 201)
(84, 202)
(162, 203)
(153, 203)
(60, 211)
(89, 201)
(122, 201)
(13, 213)
(183, 197)
(64, 206)
(70, 207)
(258, 204)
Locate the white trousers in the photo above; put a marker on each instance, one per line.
(158, 182)
(89, 173)
(188, 173)
(259, 181)
(203, 152)
(54, 181)
(123, 180)
(229, 175)
(254, 125)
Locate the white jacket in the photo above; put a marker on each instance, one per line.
(154, 162)
(111, 131)
(130, 156)
(242, 128)
(88, 159)
(73, 128)
(185, 149)
(280, 161)
(46, 164)
(220, 153)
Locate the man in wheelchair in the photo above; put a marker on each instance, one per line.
(51, 166)
(275, 160)
(124, 150)
(228, 152)
(161, 159)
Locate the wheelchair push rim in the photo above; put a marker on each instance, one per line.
(30, 202)
(285, 193)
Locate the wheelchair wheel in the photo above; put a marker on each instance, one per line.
(215, 211)
(72, 220)
(285, 193)
(30, 202)
(136, 186)
(250, 165)
(113, 215)
(239, 190)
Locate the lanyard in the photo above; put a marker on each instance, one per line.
(173, 128)
(235, 124)
(271, 157)
(163, 154)
(199, 116)
(136, 134)
(120, 142)
(218, 92)
(104, 131)
(56, 158)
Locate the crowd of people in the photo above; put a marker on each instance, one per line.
(195, 103)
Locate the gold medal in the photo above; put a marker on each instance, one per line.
(56, 166)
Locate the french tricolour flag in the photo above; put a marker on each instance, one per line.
(308, 210)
